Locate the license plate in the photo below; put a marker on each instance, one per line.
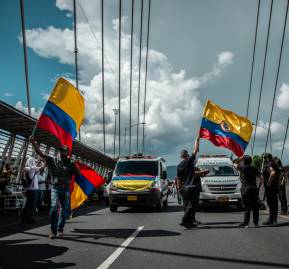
(223, 199)
(132, 198)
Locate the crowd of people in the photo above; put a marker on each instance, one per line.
(57, 173)
(272, 176)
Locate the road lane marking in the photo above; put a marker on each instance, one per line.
(111, 259)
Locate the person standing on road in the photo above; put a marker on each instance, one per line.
(271, 174)
(249, 190)
(188, 185)
(41, 188)
(33, 169)
(282, 187)
(61, 170)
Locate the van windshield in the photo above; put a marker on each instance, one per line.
(137, 168)
(219, 170)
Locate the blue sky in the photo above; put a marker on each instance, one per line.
(187, 40)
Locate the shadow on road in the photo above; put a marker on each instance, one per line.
(226, 225)
(120, 233)
(181, 255)
(20, 254)
(169, 209)
(14, 225)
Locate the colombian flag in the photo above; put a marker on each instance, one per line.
(225, 129)
(63, 113)
(81, 187)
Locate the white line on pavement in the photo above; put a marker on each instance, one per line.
(111, 259)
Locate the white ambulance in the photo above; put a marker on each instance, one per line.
(222, 185)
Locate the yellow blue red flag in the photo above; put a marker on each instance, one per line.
(82, 186)
(63, 114)
(225, 128)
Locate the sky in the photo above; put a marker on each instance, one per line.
(198, 50)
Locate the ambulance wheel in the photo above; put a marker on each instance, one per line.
(113, 208)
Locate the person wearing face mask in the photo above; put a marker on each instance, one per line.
(61, 171)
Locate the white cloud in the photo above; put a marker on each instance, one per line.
(35, 113)
(225, 58)
(173, 106)
(8, 94)
(45, 96)
(283, 97)
(277, 131)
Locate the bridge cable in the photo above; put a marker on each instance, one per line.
(130, 82)
(139, 76)
(94, 35)
(119, 76)
(263, 73)
(285, 137)
(277, 77)
(102, 68)
(253, 64)
(146, 71)
(25, 56)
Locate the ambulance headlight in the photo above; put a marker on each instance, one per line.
(112, 187)
(155, 186)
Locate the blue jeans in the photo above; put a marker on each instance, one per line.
(59, 200)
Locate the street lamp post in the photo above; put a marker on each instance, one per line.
(129, 127)
(115, 111)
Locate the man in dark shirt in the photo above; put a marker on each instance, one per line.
(188, 179)
(282, 187)
(61, 171)
(271, 174)
(249, 190)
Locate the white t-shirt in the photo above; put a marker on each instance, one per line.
(33, 172)
(41, 181)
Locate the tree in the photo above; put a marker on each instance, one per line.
(257, 161)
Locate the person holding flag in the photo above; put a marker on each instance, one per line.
(61, 170)
(188, 182)
(226, 129)
(62, 117)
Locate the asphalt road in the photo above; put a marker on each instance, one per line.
(150, 240)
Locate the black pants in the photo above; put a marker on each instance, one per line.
(29, 207)
(272, 201)
(283, 198)
(250, 199)
(191, 202)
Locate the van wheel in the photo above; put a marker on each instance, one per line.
(113, 208)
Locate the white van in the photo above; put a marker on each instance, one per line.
(222, 185)
(139, 181)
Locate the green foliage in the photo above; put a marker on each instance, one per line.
(257, 161)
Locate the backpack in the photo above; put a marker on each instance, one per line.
(27, 180)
